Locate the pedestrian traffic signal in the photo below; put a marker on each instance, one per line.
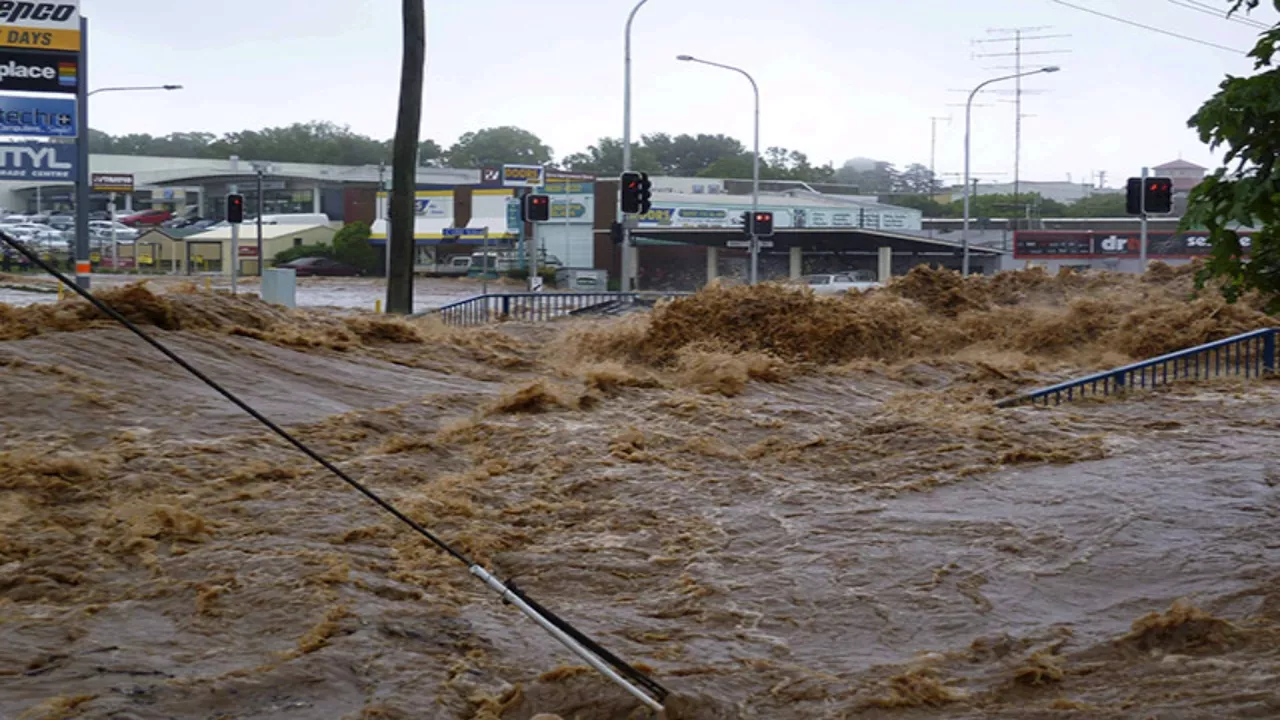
(535, 208)
(1153, 195)
(763, 224)
(615, 233)
(1158, 193)
(235, 208)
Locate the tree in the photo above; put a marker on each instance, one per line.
(870, 176)
(1243, 116)
(1101, 205)
(351, 246)
(605, 158)
(430, 154)
(496, 146)
(401, 245)
(918, 179)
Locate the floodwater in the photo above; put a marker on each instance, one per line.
(782, 524)
(343, 293)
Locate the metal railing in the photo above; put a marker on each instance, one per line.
(1249, 355)
(537, 306)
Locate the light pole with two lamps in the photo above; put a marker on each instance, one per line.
(755, 164)
(968, 113)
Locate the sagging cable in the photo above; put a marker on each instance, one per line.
(606, 663)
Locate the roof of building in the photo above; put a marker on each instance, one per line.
(249, 233)
(151, 171)
(1179, 164)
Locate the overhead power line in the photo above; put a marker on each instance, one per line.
(1219, 13)
(1137, 24)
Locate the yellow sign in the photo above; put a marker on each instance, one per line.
(40, 39)
(144, 259)
(40, 25)
(95, 257)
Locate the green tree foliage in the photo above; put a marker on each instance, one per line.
(351, 246)
(869, 176)
(495, 146)
(1244, 117)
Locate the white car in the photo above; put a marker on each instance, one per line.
(837, 284)
(101, 230)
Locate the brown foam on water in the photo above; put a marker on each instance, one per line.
(690, 487)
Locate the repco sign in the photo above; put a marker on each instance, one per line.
(40, 25)
(23, 70)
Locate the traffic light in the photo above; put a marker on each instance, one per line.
(535, 208)
(764, 224)
(615, 233)
(746, 222)
(1133, 197)
(1153, 196)
(1159, 195)
(630, 183)
(235, 208)
(646, 193)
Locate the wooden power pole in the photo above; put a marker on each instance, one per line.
(404, 161)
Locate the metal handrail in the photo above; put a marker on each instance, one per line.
(1254, 354)
(533, 306)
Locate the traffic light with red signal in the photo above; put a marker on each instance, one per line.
(636, 191)
(235, 208)
(535, 208)
(763, 224)
(1153, 195)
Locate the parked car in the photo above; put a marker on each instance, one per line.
(101, 230)
(836, 284)
(146, 217)
(308, 266)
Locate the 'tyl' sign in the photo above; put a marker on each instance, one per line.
(54, 162)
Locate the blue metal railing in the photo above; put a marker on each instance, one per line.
(537, 306)
(1249, 355)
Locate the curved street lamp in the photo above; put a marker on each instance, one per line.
(968, 112)
(135, 87)
(755, 162)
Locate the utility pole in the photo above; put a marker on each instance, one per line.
(1019, 37)
(404, 160)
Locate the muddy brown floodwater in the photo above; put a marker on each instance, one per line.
(781, 506)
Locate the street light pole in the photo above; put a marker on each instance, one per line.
(755, 163)
(132, 88)
(626, 266)
(968, 117)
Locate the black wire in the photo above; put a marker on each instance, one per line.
(1136, 24)
(111, 312)
(1219, 13)
(619, 664)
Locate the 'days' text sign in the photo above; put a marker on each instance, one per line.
(523, 175)
(38, 161)
(40, 25)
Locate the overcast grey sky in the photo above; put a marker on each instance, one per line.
(838, 78)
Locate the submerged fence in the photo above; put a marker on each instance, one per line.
(537, 306)
(1249, 355)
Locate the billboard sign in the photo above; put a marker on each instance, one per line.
(111, 182)
(1084, 244)
(37, 116)
(40, 25)
(530, 176)
(25, 71)
(53, 162)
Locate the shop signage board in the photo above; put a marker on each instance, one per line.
(52, 162)
(40, 25)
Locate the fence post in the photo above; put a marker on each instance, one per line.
(1119, 380)
(1269, 352)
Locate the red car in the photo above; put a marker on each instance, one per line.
(146, 217)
